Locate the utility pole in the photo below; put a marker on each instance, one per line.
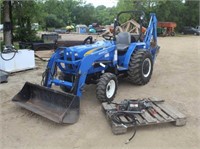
(7, 33)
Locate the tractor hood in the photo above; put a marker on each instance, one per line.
(83, 50)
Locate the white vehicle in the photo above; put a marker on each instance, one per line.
(1, 27)
(198, 27)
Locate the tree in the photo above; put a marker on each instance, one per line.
(192, 16)
(7, 23)
(24, 14)
(105, 16)
(171, 11)
(63, 9)
(52, 21)
(59, 13)
(124, 5)
(83, 14)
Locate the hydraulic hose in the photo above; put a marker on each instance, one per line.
(6, 50)
(115, 117)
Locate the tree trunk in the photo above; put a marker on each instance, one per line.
(7, 23)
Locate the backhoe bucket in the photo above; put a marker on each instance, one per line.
(55, 105)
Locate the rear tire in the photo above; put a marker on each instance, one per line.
(140, 67)
(106, 87)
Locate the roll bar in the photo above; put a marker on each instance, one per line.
(130, 11)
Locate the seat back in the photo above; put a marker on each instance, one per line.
(123, 38)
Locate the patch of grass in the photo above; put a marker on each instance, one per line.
(16, 45)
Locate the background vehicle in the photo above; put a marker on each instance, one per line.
(190, 30)
(1, 27)
(166, 28)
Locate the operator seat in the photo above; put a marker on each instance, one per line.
(123, 41)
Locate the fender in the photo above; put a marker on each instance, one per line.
(131, 49)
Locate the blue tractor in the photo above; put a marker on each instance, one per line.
(101, 63)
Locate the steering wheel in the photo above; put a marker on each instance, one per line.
(88, 40)
(107, 37)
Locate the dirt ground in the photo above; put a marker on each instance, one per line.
(176, 79)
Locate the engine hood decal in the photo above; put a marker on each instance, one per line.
(92, 50)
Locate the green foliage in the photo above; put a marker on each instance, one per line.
(192, 8)
(171, 11)
(125, 5)
(83, 14)
(61, 9)
(25, 34)
(52, 21)
(24, 13)
(105, 16)
(60, 13)
(1, 45)
(184, 14)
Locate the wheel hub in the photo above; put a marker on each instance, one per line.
(110, 88)
(146, 67)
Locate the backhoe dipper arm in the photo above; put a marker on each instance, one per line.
(151, 31)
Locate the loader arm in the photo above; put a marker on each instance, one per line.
(89, 60)
(82, 70)
(50, 69)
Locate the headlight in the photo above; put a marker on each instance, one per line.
(75, 54)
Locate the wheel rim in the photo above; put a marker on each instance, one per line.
(110, 88)
(146, 67)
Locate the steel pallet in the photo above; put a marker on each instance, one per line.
(158, 113)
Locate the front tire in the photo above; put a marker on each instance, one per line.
(140, 67)
(106, 87)
(173, 33)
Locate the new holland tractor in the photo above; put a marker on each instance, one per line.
(100, 63)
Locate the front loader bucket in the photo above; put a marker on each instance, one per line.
(57, 106)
